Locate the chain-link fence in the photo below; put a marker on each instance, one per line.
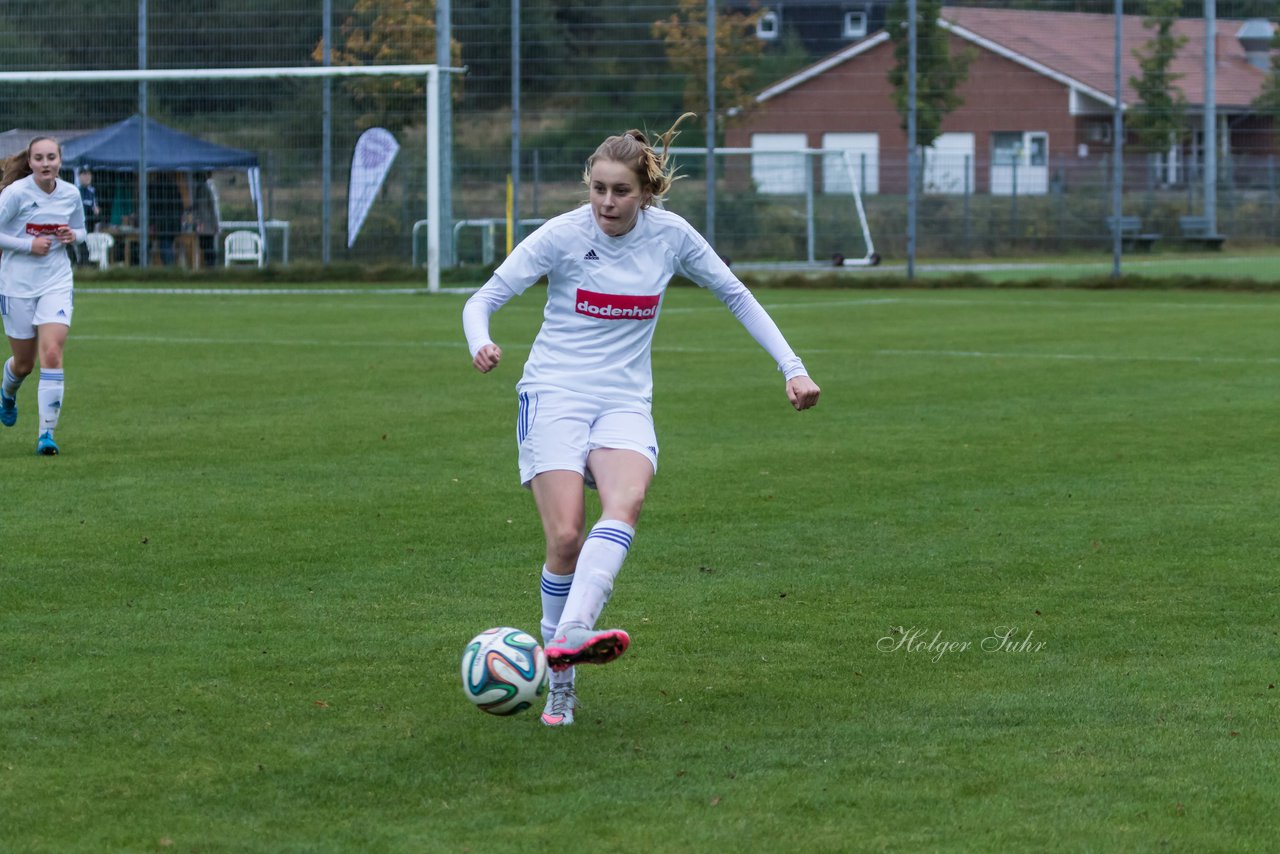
(1021, 164)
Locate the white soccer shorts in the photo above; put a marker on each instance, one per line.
(23, 314)
(556, 431)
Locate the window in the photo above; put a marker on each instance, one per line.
(855, 25)
(1006, 148)
(1020, 163)
(1099, 132)
(1037, 149)
(769, 26)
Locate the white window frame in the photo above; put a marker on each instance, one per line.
(769, 25)
(850, 31)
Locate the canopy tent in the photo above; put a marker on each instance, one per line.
(119, 147)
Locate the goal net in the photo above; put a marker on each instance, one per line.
(781, 208)
(292, 131)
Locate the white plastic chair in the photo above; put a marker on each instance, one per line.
(242, 246)
(100, 244)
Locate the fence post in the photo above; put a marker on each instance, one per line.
(1271, 195)
(1229, 178)
(968, 218)
(1152, 170)
(808, 204)
(1057, 182)
(1013, 194)
(537, 179)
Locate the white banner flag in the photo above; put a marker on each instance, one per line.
(375, 150)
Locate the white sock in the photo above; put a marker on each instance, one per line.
(50, 395)
(555, 590)
(599, 562)
(11, 382)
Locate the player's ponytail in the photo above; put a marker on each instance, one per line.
(633, 150)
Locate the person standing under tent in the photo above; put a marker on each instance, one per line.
(584, 418)
(208, 217)
(92, 212)
(41, 216)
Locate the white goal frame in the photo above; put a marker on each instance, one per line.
(871, 258)
(430, 72)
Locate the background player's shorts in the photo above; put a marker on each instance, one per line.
(556, 430)
(23, 314)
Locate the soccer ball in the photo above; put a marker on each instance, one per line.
(503, 671)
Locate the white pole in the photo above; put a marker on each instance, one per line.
(326, 140)
(433, 180)
(710, 231)
(1210, 116)
(306, 71)
(912, 148)
(1117, 147)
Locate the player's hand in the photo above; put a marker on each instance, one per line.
(40, 245)
(802, 392)
(487, 358)
(65, 235)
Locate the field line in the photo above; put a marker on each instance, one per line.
(266, 342)
(1085, 357)
(912, 298)
(460, 344)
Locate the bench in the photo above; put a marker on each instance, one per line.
(1131, 233)
(1195, 229)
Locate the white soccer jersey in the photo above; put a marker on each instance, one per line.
(26, 211)
(604, 295)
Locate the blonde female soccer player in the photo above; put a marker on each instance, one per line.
(40, 217)
(585, 396)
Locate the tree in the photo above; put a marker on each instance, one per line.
(684, 38)
(1268, 99)
(1161, 120)
(938, 73)
(387, 32)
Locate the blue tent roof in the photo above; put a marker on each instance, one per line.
(168, 150)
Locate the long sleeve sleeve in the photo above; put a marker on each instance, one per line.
(9, 243)
(479, 308)
(752, 315)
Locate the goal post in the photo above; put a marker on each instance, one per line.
(432, 108)
(791, 205)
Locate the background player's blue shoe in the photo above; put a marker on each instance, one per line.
(8, 410)
(45, 446)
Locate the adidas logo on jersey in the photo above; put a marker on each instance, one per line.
(591, 256)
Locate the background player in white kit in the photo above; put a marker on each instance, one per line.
(585, 396)
(40, 216)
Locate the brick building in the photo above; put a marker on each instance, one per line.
(1037, 104)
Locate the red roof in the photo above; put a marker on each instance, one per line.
(1078, 50)
(1081, 46)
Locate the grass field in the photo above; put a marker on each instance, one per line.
(1262, 267)
(1010, 587)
